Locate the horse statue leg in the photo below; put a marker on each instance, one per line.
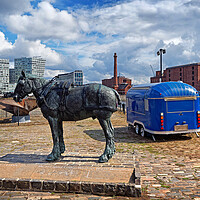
(60, 134)
(109, 134)
(56, 153)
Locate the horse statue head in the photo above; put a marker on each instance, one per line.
(26, 85)
(23, 88)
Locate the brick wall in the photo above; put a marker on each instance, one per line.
(189, 74)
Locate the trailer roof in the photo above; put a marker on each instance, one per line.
(168, 89)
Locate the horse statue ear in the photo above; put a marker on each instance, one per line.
(23, 74)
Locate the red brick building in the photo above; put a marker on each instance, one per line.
(119, 83)
(189, 73)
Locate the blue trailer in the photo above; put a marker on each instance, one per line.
(163, 108)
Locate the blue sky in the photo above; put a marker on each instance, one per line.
(84, 34)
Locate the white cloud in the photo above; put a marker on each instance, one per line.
(87, 39)
(45, 23)
(139, 29)
(26, 48)
(49, 73)
(8, 7)
(4, 44)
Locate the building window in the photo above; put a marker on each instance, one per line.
(192, 72)
(192, 83)
(192, 77)
(180, 74)
(169, 79)
(192, 68)
(180, 79)
(169, 75)
(180, 69)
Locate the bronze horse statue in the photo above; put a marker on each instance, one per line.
(61, 102)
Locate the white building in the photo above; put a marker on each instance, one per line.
(34, 66)
(75, 77)
(4, 75)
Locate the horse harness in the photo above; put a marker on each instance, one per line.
(63, 89)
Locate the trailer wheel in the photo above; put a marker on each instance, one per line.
(137, 129)
(142, 132)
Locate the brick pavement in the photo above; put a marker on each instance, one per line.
(24, 195)
(169, 169)
(170, 177)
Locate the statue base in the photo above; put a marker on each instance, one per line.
(21, 119)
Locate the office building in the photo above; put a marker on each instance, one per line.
(75, 77)
(4, 75)
(34, 66)
(12, 76)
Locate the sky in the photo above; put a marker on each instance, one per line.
(85, 34)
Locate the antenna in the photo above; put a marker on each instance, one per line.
(152, 70)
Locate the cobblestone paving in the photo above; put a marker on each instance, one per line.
(170, 167)
(170, 177)
(18, 195)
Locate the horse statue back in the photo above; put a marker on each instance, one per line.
(62, 102)
(73, 104)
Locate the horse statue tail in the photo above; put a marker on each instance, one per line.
(118, 97)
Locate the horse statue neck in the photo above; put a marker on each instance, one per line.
(38, 84)
(41, 88)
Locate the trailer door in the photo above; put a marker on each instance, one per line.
(181, 114)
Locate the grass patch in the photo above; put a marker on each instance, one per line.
(144, 189)
(185, 178)
(161, 182)
(165, 186)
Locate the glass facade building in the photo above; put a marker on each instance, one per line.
(75, 77)
(4, 75)
(34, 66)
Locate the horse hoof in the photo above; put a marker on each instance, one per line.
(51, 158)
(62, 149)
(103, 159)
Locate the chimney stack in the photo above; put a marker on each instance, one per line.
(115, 86)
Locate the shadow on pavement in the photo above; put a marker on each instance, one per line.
(123, 135)
(35, 158)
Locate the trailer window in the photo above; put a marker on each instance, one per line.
(181, 105)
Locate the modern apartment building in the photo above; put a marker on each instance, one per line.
(4, 75)
(12, 76)
(75, 77)
(34, 66)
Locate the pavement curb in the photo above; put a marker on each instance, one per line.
(106, 189)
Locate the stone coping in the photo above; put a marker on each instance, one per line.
(106, 189)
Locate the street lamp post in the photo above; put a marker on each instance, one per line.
(160, 53)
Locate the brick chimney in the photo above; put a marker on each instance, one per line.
(115, 85)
